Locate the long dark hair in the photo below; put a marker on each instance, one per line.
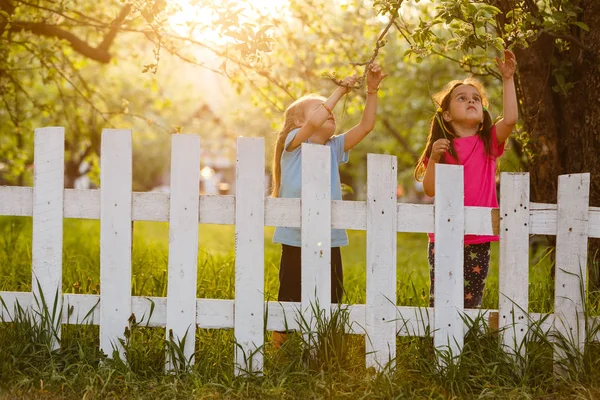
(294, 113)
(439, 129)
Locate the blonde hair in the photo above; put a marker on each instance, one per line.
(439, 129)
(294, 113)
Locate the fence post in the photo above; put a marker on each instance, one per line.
(449, 255)
(381, 311)
(115, 238)
(571, 262)
(249, 255)
(514, 261)
(316, 233)
(183, 248)
(47, 238)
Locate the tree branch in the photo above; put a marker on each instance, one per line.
(469, 67)
(110, 36)
(570, 38)
(9, 8)
(399, 28)
(403, 142)
(262, 72)
(99, 53)
(55, 12)
(378, 45)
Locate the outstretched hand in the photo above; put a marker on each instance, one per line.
(508, 67)
(349, 82)
(374, 76)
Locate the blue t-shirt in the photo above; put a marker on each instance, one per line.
(291, 186)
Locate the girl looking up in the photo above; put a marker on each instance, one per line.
(462, 133)
(310, 119)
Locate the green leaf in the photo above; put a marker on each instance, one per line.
(490, 9)
(582, 25)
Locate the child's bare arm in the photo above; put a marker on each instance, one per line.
(505, 126)
(317, 117)
(374, 77)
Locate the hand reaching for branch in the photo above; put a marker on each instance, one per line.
(349, 82)
(374, 76)
(508, 67)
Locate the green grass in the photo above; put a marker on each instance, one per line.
(81, 263)
(28, 368)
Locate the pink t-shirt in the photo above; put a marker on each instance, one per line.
(480, 175)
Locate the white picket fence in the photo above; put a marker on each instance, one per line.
(380, 319)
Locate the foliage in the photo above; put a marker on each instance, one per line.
(57, 78)
(476, 27)
(57, 57)
(81, 66)
(430, 43)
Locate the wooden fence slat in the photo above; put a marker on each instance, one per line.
(282, 316)
(514, 260)
(249, 255)
(449, 254)
(571, 259)
(16, 200)
(183, 247)
(280, 211)
(381, 260)
(48, 202)
(115, 238)
(415, 218)
(12, 300)
(152, 206)
(316, 231)
(47, 237)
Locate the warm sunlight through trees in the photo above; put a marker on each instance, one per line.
(229, 68)
(196, 22)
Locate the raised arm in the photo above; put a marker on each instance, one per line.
(374, 77)
(317, 117)
(505, 126)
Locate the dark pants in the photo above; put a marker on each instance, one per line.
(290, 274)
(476, 266)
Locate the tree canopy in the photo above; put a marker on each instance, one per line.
(89, 66)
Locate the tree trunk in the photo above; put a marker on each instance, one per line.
(564, 129)
(538, 112)
(580, 141)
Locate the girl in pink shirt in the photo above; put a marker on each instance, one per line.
(462, 133)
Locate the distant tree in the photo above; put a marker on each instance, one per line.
(54, 59)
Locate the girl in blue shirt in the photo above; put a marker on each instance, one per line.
(311, 119)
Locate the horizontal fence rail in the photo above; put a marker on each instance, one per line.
(381, 216)
(151, 311)
(345, 214)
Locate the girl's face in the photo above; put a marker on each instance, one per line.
(328, 128)
(465, 107)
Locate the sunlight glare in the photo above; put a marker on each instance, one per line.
(196, 22)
